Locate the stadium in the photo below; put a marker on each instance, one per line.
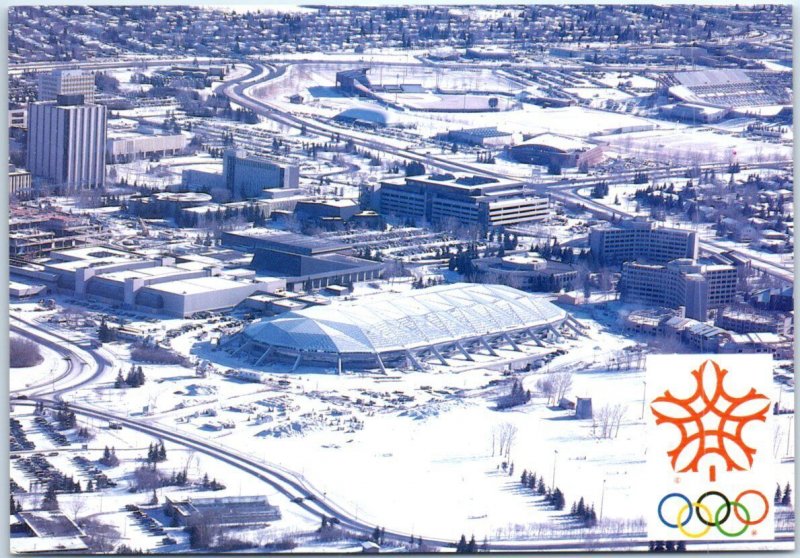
(405, 330)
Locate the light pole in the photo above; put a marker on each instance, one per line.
(555, 458)
(644, 396)
(602, 499)
(789, 434)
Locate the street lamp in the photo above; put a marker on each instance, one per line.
(602, 499)
(644, 395)
(555, 458)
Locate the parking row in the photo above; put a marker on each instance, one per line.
(47, 427)
(89, 469)
(18, 439)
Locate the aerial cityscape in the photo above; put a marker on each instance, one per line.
(328, 279)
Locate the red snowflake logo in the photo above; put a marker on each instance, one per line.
(710, 424)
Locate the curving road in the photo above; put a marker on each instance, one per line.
(86, 366)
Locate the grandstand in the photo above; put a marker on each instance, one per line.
(731, 88)
(404, 330)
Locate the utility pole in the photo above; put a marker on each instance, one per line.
(644, 395)
(602, 499)
(555, 458)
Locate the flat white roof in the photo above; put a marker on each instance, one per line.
(563, 143)
(197, 286)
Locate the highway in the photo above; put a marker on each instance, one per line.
(784, 273)
(239, 91)
(88, 365)
(85, 371)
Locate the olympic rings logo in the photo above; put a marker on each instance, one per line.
(718, 518)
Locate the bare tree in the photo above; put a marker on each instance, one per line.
(562, 382)
(606, 421)
(546, 387)
(76, 506)
(505, 434)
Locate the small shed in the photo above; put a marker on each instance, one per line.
(583, 408)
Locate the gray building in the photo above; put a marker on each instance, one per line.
(305, 262)
(483, 137)
(641, 240)
(20, 185)
(67, 82)
(67, 143)
(695, 286)
(465, 199)
(246, 176)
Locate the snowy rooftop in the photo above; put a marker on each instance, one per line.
(562, 143)
(196, 286)
(418, 318)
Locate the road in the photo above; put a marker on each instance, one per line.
(282, 480)
(784, 273)
(86, 366)
(239, 91)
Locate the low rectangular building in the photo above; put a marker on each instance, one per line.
(231, 511)
(483, 137)
(463, 199)
(127, 146)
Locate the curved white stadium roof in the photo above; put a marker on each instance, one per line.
(394, 322)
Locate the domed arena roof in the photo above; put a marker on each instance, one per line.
(375, 115)
(397, 322)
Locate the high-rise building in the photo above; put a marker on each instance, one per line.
(67, 143)
(246, 176)
(695, 286)
(67, 82)
(641, 240)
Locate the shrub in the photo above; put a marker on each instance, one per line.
(24, 353)
(156, 355)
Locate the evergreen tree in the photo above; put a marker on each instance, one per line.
(472, 546)
(786, 500)
(461, 547)
(50, 501)
(778, 494)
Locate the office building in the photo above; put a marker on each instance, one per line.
(246, 176)
(465, 199)
(158, 285)
(305, 262)
(695, 286)
(748, 320)
(641, 240)
(125, 146)
(527, 271)
(67, 143)
(20, 186)
(18, 116)
(67, 82)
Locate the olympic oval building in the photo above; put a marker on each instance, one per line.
(404, 330)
